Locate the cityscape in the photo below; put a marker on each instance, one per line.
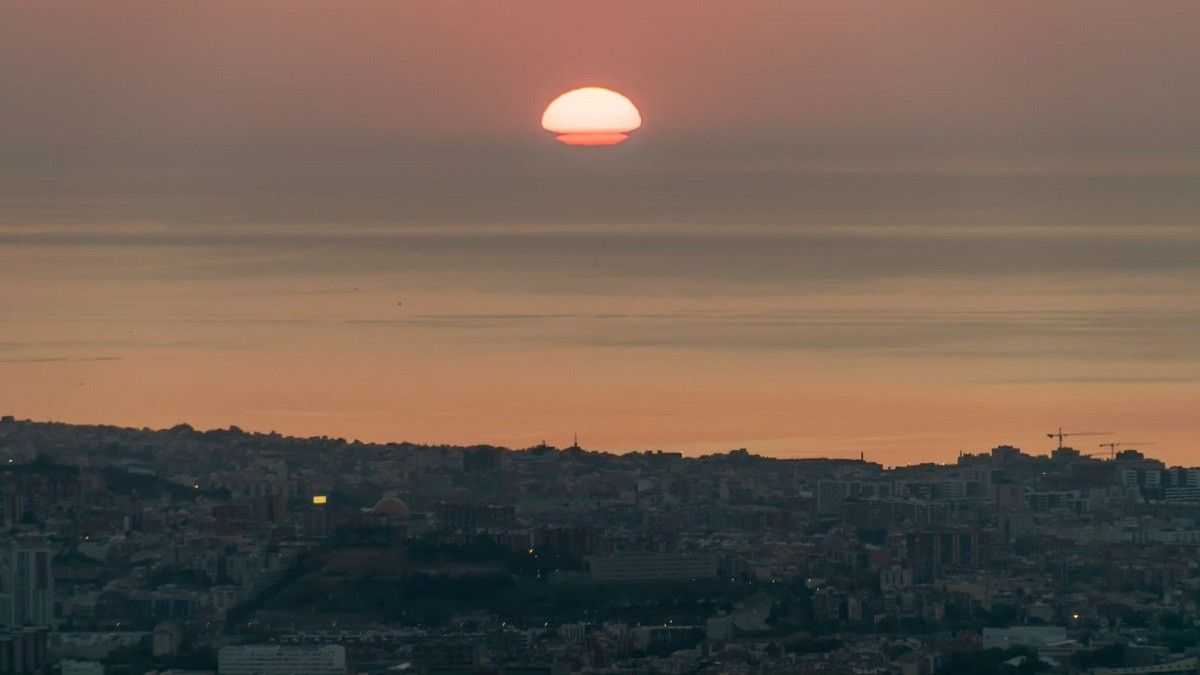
(599, 337)
(223, 551)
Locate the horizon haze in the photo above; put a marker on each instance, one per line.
(905, 229)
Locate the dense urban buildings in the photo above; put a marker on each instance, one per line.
(187, 551)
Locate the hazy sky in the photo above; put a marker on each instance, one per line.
(903, 228)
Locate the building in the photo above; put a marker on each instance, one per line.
(454, 516)
(932, 551)
(282, 660)
(831, 493)
(1182, 485)
(1182, 494)
(24, 651)
(643, 567)
(168, 637)
(1023, 636)
(1183, 666)
(74, 667)
(1040, 501)
(27, 583)
(882, 513)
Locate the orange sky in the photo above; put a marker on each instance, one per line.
(907, 229)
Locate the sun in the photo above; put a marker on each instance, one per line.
(591, 116)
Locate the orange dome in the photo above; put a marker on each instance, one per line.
(391, 507)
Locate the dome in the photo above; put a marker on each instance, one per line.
(391, 507)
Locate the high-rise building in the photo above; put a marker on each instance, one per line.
(23, 651)
(27, 583)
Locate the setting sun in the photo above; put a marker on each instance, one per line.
(591, 116)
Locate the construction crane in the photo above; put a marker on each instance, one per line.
(1112, 447)
(1060, 435)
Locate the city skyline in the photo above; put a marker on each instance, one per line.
(536, 337)
(235, 553)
